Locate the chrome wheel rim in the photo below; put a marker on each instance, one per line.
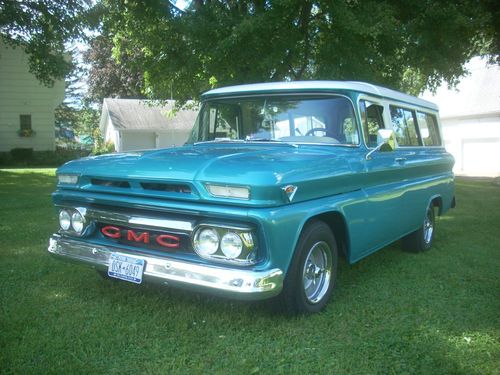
(428, 227)
(317, 272)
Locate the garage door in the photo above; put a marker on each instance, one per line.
(138, 141)
(481, 157)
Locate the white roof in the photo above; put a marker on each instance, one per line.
(136, 114)
(477, 93)
(319, 86)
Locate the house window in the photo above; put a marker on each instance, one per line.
(25, 121)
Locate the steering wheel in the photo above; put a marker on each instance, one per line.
(314, 130)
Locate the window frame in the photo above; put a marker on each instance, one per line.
(287, 94)
(376, 101)
(22, 123)
(413, 111)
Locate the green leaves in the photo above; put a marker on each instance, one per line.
(43, 28)
(153, 48)
(409, 45)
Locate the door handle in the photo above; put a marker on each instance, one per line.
(400, 160)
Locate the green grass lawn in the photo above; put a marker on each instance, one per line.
(393, 312)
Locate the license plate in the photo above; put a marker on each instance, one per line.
(126, 268)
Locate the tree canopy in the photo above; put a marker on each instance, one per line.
(409, 45)
(111, 74)
(43, 28)
(155, 49)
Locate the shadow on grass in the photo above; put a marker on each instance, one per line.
(25, 179)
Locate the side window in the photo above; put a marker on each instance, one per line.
(428, 129)
(405, 127)
(372, 119)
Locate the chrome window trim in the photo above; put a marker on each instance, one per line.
(386, 103)
(291, 94)
(374, 100)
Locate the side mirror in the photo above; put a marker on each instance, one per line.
(386, 141)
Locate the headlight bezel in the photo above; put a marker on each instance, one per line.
(226, 247)
(72, 229)
(201, 248)
(64, 217)
(77, 222)
(247, 235)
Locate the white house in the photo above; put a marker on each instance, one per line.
(133, 124)
(470, 118)
(26, 106)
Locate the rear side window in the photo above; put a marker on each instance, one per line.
(428, 129)
(405, 126)
(372, 119)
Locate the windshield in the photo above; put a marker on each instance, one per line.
(328, 119)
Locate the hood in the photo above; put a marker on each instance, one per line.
(264, 168)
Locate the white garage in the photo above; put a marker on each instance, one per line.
(470, 118)
(133, 124)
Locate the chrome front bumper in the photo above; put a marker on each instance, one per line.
(234, 283)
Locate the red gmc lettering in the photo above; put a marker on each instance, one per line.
(165, 240)
(168, 240)
(143, 237)
(111, 231)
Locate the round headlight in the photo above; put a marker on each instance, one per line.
(206, 242)
(77, 222)
(231, 245)
(64, 220)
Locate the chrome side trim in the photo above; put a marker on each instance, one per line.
(229, 282)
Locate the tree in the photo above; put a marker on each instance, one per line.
(409, 45)
(111, 74)
(43, 27)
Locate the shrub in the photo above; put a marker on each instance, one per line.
(17, 158)
(21, 154)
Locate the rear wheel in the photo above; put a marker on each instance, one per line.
(421, 239)
(311, 277)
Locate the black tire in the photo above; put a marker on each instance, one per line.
(311, 277)
(422, 238)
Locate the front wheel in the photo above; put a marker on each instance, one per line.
(421, 239)
(311, 277)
